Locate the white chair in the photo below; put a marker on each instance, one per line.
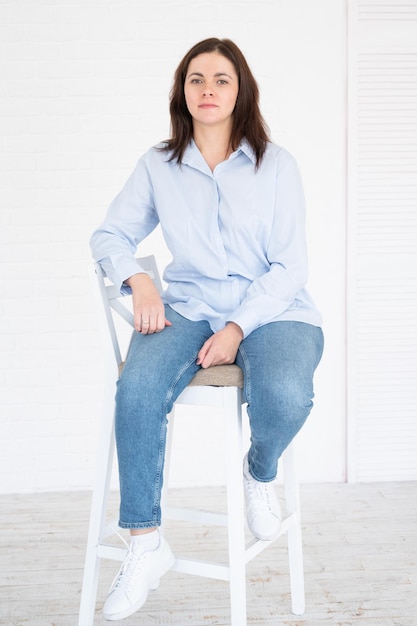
(219, 386)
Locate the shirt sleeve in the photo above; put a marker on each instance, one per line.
(129, 219)
(272, 293)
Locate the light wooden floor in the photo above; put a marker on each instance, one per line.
(360, 563)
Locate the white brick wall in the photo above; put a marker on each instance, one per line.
(84, 91)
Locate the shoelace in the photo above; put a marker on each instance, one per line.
(131, 568)
(259, 497)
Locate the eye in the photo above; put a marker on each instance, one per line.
(196, 81)
(221, 81)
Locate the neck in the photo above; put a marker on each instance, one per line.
(214, 144)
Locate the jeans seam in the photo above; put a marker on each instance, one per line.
(246, 376)
(162, 437)
(161, 456)
(170, 392)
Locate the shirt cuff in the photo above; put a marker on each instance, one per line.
(126, 266)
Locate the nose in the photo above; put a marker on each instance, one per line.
(208, 91)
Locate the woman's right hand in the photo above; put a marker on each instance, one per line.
(148, 308)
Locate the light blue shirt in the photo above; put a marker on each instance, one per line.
(236, 235)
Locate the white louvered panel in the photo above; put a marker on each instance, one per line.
(382, 243)
(386, 379)
(388, 10)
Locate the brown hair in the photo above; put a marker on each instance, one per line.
(247, 119)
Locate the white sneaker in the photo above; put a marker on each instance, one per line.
(139, 574)
(263, 512)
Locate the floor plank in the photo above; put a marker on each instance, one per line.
(360, 552)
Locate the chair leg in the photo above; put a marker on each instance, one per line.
(235, 506)
(294, 534)
(98, 514)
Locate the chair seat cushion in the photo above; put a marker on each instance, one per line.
(216, 376)
(219, 376)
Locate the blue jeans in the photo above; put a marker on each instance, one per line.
(278, 361)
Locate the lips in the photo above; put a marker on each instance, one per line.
(207, 106)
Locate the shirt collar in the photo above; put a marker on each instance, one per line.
(246, 148)
(192, 155)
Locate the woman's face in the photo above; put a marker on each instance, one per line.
(211, 88)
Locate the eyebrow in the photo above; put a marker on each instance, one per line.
(216, 75)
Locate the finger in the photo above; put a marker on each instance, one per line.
(160, 323)
(155, 325)
(166, 323)
(138, 323)
(145, 323)
(205, 356)
(201, 355)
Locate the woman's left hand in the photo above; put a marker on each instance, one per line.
(221, 348)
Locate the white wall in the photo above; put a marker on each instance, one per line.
(84, 90)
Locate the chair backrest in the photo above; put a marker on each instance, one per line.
(108, 299)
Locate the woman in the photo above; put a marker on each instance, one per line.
(231, 208)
